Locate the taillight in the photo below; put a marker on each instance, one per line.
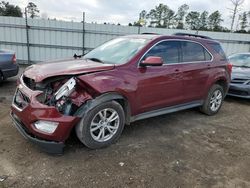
(14, 58)
(230, 67)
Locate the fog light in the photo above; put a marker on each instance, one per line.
(46, 126)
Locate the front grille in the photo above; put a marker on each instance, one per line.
(30, 83)
(238, 92)
(21, 100)
(239, 81)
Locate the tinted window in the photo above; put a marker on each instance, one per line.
(192, 51)
(167, 50)
(217, 48)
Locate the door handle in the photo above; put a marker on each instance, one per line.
(208, 66)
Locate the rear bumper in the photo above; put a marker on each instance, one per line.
(239, 90)
(13, 71)
(47, 146)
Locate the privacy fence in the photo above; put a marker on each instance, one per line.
(40, 40)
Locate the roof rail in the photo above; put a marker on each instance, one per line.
(149, 33)
(192, 35)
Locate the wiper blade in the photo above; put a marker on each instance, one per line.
(95, 59)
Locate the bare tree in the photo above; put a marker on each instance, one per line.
(235, 10)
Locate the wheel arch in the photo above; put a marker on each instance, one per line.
(223, 83)
(110, 96)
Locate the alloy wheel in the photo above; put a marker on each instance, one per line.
(216, 100)
(104, 125)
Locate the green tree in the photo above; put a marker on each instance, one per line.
(161, 16)
(142, 18)
(32, 10)
(7, 9)
(203, 20)
(243, 21)
(180, 15)
(193, 20)
(214, 21)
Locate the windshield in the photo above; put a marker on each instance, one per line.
(116, 51)
(240, 60)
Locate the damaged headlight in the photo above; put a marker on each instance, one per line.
(66, 89)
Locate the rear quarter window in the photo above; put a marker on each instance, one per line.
(192, 52)
(218, 49)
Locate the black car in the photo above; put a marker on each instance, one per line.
(240, 83)
(8, 65)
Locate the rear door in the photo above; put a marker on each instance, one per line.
(196, 62)
(161, 86)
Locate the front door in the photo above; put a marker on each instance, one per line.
(162, 86)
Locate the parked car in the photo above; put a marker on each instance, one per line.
(240, 84)
(124, 80)
(8, 65)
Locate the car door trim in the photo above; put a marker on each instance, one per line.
(187, 62)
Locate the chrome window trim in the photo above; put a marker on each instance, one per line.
(186, 62)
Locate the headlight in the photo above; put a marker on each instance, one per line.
(46, 126)
(66, 89)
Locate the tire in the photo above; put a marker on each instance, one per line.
(213, 101)
(95, 139)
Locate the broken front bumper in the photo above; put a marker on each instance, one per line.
(47, 146)
(27, 110)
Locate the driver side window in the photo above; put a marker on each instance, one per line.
(167, 50)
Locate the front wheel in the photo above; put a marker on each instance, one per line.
(214, 100)
(102, 125)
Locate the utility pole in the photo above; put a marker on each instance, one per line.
(83, 33)
(235, 10)
(27, 35)
(139, 24)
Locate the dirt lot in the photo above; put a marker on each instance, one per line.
(184, 149)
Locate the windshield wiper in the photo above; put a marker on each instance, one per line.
(95, 59)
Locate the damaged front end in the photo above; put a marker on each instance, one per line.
(67, 94)
(44, 112)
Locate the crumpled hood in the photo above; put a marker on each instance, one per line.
(241, 72)
(40, 71)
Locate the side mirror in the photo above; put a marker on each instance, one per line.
(152, 61)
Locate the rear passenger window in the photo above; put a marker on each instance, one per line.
(167, 50)
(218, 49)
(192, 51)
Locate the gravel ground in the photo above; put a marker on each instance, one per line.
(183, 149)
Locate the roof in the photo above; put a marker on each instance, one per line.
(183, 36)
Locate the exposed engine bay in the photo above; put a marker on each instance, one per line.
(67, 94)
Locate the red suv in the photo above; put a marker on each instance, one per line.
(124, 80)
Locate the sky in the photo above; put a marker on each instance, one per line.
(121, 11)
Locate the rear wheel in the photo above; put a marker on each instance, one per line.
(214, 100)
(102, 125)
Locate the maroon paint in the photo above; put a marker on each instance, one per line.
(145, 88)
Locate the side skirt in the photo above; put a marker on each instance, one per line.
(166, 110)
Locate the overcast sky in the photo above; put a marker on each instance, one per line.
(121, 11)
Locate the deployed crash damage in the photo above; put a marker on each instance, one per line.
(65, 93)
